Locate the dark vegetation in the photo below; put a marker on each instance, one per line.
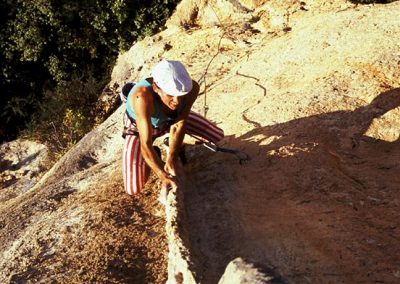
(57, 55)
(372, 1)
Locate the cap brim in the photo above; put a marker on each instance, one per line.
(179, 94)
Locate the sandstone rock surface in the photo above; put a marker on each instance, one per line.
(239, 271)
(22, 164)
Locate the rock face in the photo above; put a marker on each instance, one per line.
(239, 271)
(77, 224)
(22, 163)
(310, 90)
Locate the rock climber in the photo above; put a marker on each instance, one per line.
(155, 106)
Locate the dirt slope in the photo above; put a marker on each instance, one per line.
(78, 226)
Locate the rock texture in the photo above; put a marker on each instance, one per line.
(77, 224)
(239, 271)
(179, 256)
(309, 89)
(21, 165)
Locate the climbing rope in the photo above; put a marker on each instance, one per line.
(203, 77)
(242, 156)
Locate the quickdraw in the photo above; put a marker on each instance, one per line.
(242, 156)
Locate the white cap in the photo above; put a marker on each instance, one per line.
(172, 77)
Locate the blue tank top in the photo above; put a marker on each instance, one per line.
(159, 118)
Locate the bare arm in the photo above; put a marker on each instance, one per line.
(177, 130)
(142, 102)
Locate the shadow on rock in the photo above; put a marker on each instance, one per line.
(318, 202)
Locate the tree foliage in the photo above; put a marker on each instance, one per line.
(372, 1)
(47, 45)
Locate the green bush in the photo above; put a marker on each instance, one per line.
(54, 46)
(372, 1)
(66, 114)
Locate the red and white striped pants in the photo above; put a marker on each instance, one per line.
(135, 169)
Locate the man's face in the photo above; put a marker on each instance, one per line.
(172, 102)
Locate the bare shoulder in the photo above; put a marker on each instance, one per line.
(142, 101)
(142, 96)
(142, 93)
